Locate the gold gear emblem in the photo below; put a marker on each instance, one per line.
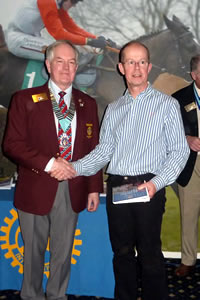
(12, 242)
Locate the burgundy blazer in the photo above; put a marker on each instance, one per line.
(31, 141)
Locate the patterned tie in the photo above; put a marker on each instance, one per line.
(64, 138)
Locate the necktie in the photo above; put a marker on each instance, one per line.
(64, 138)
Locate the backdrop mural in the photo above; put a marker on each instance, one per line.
(170, 40)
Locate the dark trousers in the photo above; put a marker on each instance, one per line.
(137, 226)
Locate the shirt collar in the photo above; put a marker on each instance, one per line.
(55, 90)
(197, 89)
(147, 91)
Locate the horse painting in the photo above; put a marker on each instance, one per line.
(170, 49)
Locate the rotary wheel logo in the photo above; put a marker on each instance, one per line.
(11, 242)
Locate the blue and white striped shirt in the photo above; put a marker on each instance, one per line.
(139, 136)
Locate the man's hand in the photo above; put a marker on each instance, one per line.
(93, 202)
(111, 44)
(150, 188)
(100, 42)
(62, 170)
(193, 142)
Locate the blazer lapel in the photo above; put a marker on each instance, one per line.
(78, 124)
(46, 112)
(190, 106)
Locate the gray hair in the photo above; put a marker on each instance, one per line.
(50, 49)
(195, 60)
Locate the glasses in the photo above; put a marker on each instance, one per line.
(131, 63)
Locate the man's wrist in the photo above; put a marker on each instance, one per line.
(49, 165)
(158, 182)
(77, 167)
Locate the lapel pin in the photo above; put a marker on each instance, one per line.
(81, 103)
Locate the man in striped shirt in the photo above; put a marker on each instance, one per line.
(142, 138)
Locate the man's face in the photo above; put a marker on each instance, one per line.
(196, 76)
(135, 66)
(62, 68)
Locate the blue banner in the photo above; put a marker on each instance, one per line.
(91, 261)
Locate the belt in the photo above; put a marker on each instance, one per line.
(117, 180)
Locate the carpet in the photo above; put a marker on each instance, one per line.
(179, 288)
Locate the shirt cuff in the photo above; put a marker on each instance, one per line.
(78, 167)
(159, 182)
(49, 164)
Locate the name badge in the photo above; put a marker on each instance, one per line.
(39, 97)
(190, 106)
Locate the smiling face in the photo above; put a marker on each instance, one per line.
(62, 67)
(135, 67)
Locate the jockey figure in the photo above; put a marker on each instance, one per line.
(24, 35)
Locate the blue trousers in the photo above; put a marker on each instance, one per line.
(137, 227)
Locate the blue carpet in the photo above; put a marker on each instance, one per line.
(179, 289)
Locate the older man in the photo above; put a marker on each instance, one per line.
(48, 125)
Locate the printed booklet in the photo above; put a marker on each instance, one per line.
(129, 193)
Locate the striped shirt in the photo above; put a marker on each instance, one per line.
(139, 136)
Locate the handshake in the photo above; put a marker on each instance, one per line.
(62, 170)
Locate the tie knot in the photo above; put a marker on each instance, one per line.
(62, 94)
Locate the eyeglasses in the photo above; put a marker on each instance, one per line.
(131, 63)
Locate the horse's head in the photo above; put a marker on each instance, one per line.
(185, 43)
